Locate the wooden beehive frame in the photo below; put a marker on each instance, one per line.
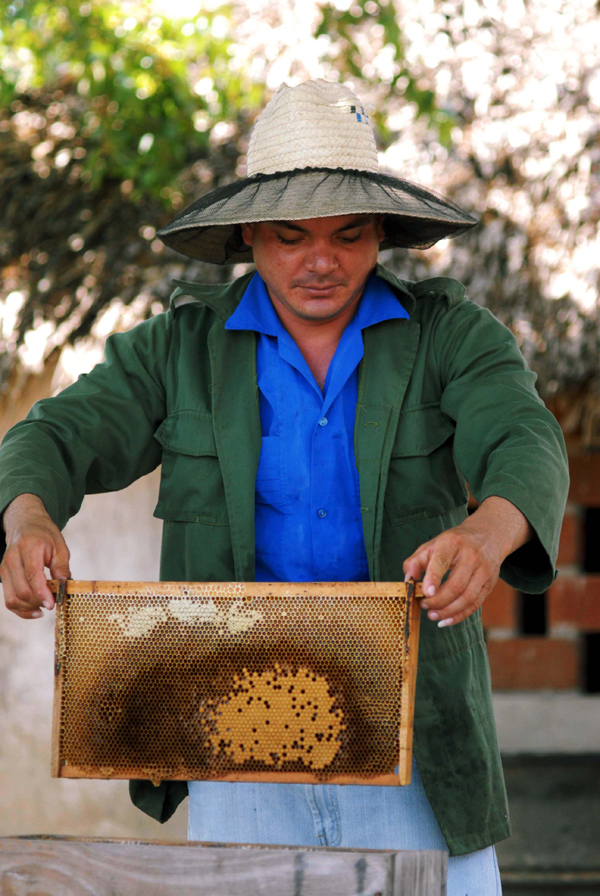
(407, 657)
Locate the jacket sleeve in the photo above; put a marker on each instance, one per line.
(159, 802)
(96, 435)
(506, 441)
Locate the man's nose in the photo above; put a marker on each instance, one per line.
(321, 258)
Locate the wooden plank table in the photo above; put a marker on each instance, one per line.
(70, 866)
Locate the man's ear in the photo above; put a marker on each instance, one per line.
(248, 233)
(380, 227)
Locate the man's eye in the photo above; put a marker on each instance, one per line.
(351, 239)
(286, 242)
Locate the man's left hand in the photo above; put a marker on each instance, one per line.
(473, 553)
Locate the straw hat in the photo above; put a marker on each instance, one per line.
(312, 154)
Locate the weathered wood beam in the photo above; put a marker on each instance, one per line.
(68, 866)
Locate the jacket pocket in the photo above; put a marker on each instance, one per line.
(191, 484)
(423, 479)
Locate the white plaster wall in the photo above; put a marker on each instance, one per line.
(114, 536)
(546, 722)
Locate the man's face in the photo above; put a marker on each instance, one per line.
(316, 268)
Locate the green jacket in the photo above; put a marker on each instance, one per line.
(443, 397)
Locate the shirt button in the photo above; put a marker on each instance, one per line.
(323, 421)
(321, 513)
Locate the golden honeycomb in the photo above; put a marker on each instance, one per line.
(238, 681)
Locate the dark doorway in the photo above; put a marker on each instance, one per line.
(532, 614)
(591, 663)
(591, 539)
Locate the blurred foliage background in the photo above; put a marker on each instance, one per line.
(114, 116)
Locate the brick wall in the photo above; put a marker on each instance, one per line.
(552, 641)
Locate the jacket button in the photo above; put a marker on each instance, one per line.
(321, 513)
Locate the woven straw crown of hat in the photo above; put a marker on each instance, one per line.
(314, 125)
(312, 154)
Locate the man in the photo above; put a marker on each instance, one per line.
(317, 420)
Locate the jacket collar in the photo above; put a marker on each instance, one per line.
(222, 298)
(401, 287)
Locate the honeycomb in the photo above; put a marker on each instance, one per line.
(233, 681)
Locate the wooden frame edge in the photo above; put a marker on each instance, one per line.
(75, 771)
(409, 682)
(249, 589)
(409, 654)
(59, 651)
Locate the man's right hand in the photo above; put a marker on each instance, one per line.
(33, 542)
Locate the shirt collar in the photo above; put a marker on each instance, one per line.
(256, 312)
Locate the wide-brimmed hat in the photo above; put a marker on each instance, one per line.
(312, 154)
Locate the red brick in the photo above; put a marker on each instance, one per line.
(569, 547)
(499, 609)
(523, 664)
(575, 600)
(584, 468)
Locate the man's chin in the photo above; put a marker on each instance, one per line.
(319, 309)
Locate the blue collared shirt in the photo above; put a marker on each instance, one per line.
(307, 510)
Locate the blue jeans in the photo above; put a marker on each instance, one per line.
(363, 817)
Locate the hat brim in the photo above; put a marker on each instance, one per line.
(208, 230)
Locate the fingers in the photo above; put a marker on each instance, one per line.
(451, 609)
(29, 614)
(442, 559)
(17, 589)
(36, 555)
(34, 543)
(23, 576)
(469, 601)
(434, 558)
(471, 575)
(415, 565)
(17, 593)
